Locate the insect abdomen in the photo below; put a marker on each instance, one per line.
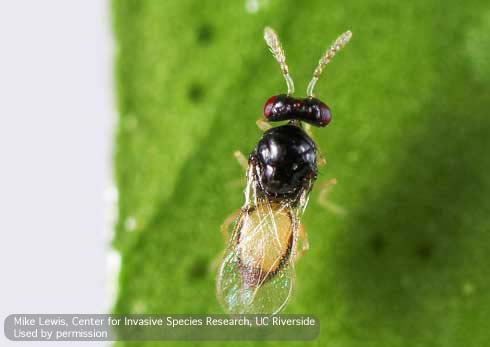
(264, 241)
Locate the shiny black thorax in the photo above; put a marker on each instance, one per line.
(285, 158)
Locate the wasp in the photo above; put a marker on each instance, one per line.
(256, 274)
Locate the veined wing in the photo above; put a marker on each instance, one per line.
(257, 272)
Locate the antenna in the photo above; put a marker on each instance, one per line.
(275, 47)
(326, 58)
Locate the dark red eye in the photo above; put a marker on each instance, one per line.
(325, 114)
(269, 104)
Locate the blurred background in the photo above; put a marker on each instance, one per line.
(407, 265)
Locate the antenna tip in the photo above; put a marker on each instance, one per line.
(346, 36)
(269, 34)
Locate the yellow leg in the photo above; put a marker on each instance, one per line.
(320, 159)
(305, 244)
(242, 159)
(325, 188)
(263, 124)
(225, 226)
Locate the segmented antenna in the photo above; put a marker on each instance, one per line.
(275, 47)
(326, 58)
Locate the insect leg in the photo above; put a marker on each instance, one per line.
(320, 158)
(325, 188)
(242, 159)
(225, 226)
(305, 244)
(263, 125)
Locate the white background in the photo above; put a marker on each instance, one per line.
(56, 116)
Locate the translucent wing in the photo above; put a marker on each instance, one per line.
(257, 272)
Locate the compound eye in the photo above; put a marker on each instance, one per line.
(325, 114)
(269, 105)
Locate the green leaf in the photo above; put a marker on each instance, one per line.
(408, 265)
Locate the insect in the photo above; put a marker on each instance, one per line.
(256, 274)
